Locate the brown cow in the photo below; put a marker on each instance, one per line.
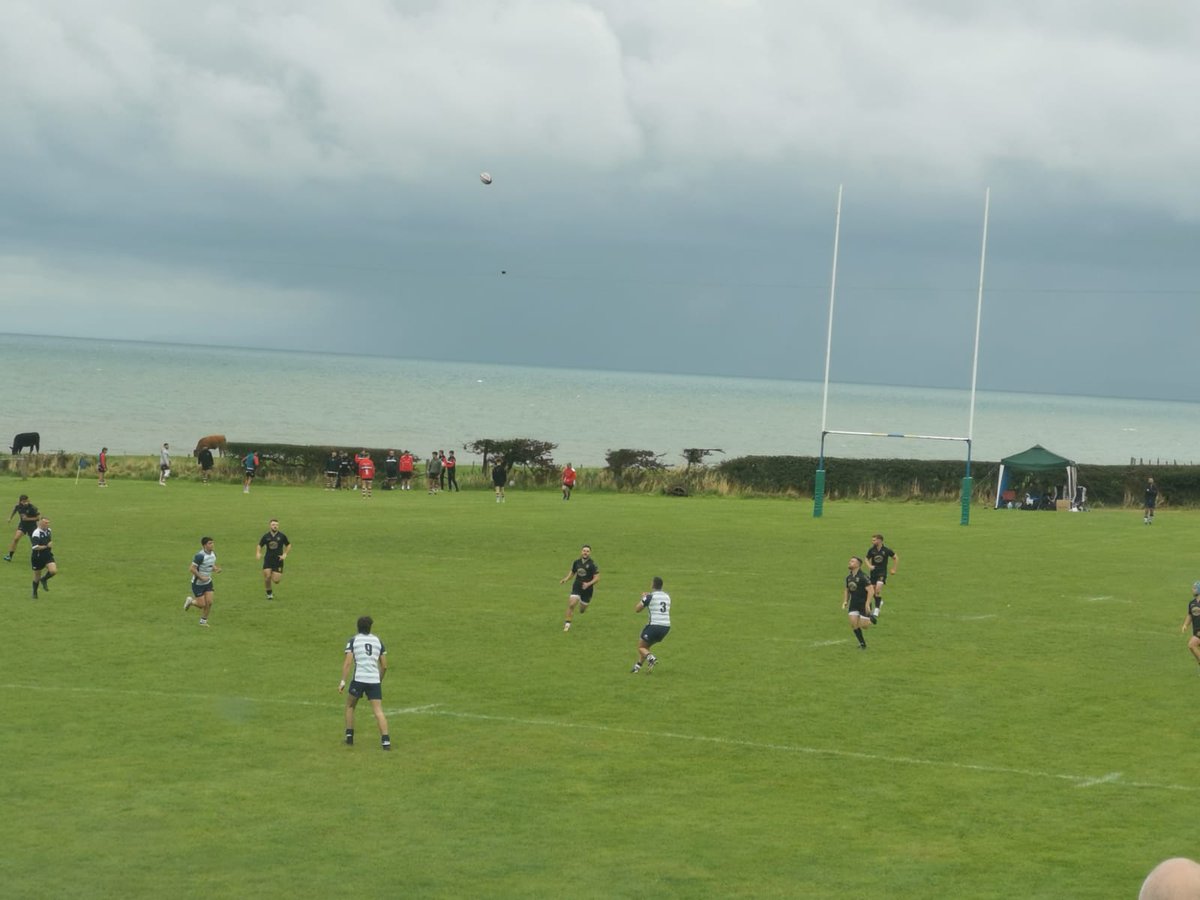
(211, 442)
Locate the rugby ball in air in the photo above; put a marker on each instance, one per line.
(485, 177)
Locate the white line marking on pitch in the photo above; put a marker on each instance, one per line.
(434, 709)
(1078, 780)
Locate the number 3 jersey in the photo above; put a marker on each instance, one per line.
(658, 603)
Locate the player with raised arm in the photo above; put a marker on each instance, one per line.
(658, 602)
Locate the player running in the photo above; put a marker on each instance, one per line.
(586, 573)
(273, 548)
(857, 600)
(1193, 619)
(658, 602)
(877, 556)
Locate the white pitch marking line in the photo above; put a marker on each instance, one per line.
(434, 709)
(977, 618)
(1078, 780)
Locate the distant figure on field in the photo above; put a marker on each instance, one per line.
(102, 467)
(41, 557)
(250, 464)
(164, 464)
(877, 556)
(203, 567)
(366, 473)
(273, 548)
(568, 481)
(346, 471)
(1172, 879)
(441, 470)
(1150, 502)
(407, 465)
(1193, 619)
(658, 602)
(857, 600)
(391, 470)
(586, 573)
(205, 459)
(433, 473)
(366, 653)
(26, 524)
(450, 467)
(331, 471)
(499, 477)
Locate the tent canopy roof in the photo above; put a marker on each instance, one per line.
(1037, 459)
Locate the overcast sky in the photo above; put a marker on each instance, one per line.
(301, 174)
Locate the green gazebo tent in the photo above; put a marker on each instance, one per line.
(1038, 460)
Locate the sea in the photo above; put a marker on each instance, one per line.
(82, 394)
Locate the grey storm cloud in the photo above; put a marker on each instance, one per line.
(665, 176)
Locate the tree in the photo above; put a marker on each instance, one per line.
(524, 452)
(695, 455)
(625, 460)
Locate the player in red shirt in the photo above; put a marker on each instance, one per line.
(568, 481)
(366, 473)
(406, 471)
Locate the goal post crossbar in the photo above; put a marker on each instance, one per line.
(897, 434)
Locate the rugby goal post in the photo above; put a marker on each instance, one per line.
(819, 480)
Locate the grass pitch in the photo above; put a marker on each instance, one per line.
(1020, 726)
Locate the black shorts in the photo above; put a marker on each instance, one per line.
(370, 691)
(41, 559)
(27, 528)
(584, 594)
(275, 565)
(858, 606)
(405, 476)
(250, 473)
(652, 634)
(879, 577)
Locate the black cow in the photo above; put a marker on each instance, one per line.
(30, 439)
